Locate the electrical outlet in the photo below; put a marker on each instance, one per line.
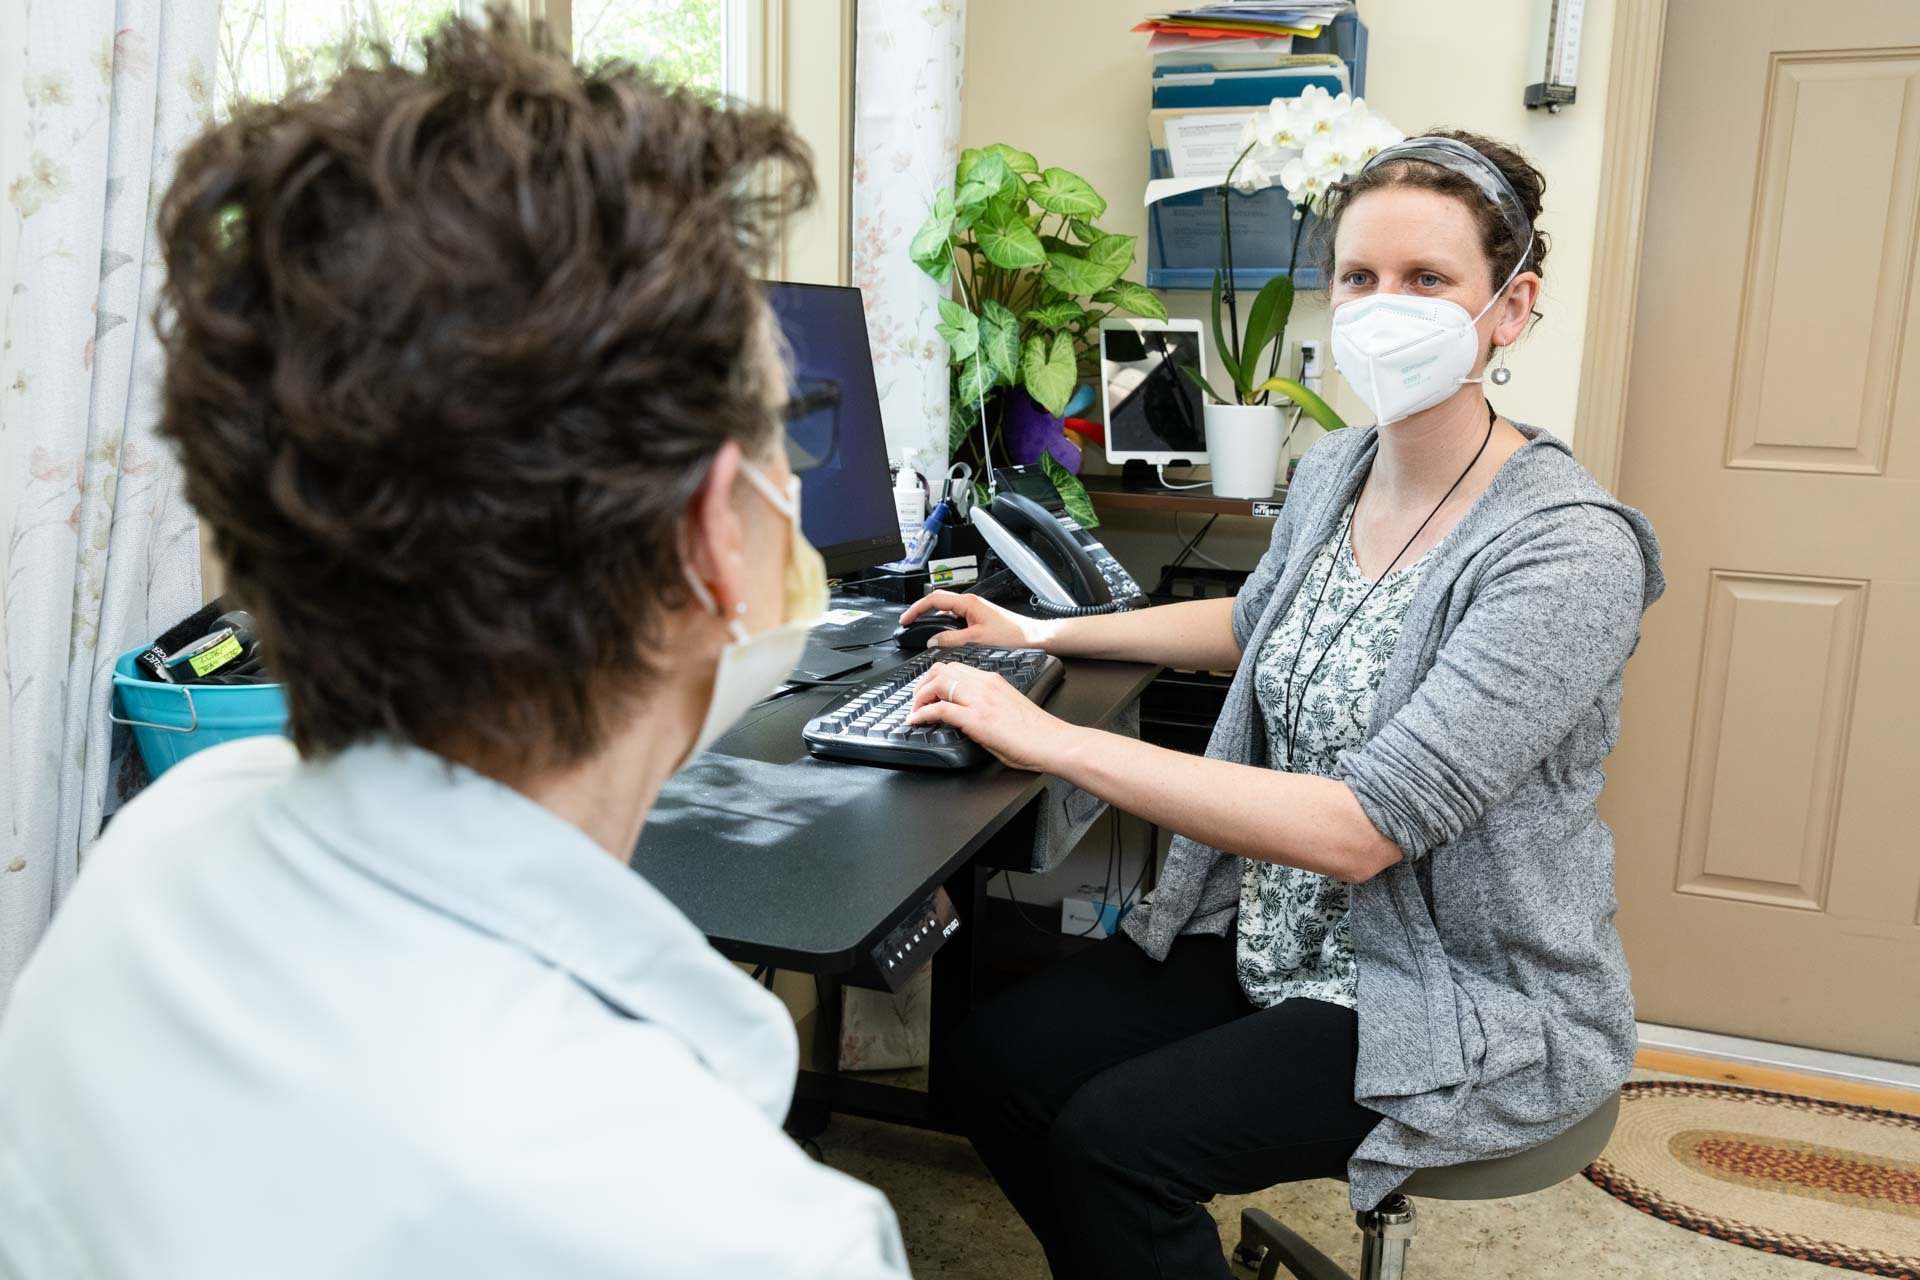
(1313, 361)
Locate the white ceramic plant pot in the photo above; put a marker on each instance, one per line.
(1243, 448)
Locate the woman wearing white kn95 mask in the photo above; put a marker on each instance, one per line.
(1383, 937)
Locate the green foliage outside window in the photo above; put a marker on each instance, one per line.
(681, 40)
(268, 47)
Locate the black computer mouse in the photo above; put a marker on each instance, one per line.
(914, 636)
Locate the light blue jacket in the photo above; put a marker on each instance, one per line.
(382, 1017)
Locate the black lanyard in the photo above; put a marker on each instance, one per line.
(1291, 718)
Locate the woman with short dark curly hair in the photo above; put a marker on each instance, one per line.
(477, 390)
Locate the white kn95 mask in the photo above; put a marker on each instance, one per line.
(1402, 354)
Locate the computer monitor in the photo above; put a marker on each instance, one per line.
(846, 500)
(1156, 412)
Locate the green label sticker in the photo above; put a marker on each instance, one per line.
(215, 658)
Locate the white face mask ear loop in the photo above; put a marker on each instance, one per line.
(704, 594)
(735, 627)
(1501, 291)
(1497, 295)
(782, 502)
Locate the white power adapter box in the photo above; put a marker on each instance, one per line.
(1084, 915)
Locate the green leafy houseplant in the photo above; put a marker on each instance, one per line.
(1034, 275)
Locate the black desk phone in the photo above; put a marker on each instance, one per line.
(1065, 567)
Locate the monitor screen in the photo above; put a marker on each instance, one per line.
(846, 499)
(1155, 411)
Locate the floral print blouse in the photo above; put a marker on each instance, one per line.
(1293, 936)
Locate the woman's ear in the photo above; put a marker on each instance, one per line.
(1515, 309)
(712, 535)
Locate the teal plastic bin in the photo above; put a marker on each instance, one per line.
(172, 721)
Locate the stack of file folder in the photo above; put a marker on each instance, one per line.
(1249, 17)
(1213, 67)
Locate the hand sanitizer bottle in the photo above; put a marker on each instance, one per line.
(909, 503)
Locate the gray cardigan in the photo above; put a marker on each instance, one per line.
(1494, 1009)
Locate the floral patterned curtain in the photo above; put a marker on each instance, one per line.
(906, 139)
(101, 550)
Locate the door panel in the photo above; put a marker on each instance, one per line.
(1763, 783)
(1762, 794)
(1834, 123)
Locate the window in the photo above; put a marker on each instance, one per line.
(269, 46)
(735, 47)
(684, 41)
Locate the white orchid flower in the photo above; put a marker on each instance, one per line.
(1373, 135)
(1308, 143)
(1335, 152)
(1305, 183)
(1281, 125)
(1318, 109)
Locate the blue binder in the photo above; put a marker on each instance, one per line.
(1243, 88)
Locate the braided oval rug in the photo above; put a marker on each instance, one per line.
(1827, 1182)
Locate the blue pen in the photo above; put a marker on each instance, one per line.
(922, 548)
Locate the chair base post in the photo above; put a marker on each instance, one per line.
(1385, 1234)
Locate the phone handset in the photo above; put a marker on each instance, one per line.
(1041, 553)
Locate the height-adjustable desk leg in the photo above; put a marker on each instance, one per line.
(955, 968)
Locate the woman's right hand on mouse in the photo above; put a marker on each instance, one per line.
(986, 623)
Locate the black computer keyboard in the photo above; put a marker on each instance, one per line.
(868, 723)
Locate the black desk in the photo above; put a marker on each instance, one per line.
(804, 864)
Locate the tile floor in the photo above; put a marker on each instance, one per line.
(956, 1223)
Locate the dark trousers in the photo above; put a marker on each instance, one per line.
(1113, 1095)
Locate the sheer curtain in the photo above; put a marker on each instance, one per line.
(101, 550)
(906, 139)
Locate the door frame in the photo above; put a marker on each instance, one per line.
(1633, 91)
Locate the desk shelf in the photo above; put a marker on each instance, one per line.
(1109, 494)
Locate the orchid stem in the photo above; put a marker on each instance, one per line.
(1226, 245)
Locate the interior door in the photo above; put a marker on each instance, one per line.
(1764, 791)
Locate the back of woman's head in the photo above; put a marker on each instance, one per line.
(448, 351)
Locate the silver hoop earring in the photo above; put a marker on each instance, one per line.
(1501, 375)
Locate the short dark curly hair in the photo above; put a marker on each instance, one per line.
(449, 350)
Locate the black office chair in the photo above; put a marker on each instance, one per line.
(1385, 1232)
